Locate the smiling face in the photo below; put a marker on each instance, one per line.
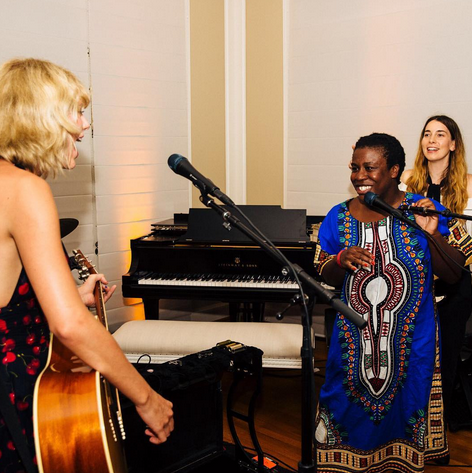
(82, 123)
(437, 142)
(370, 173)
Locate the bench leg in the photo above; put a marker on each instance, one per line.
(246, 311)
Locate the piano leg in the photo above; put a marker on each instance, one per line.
(246, 311)
(151, 308)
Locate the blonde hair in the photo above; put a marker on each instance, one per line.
(454, 190)
(38, 101)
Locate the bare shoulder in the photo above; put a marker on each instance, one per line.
(10, 175)
(25, 197)
(406, 175)
(469, 186)
(16, 185)
(29, 189)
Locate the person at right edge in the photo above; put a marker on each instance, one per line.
(440, 172)
(380, 408)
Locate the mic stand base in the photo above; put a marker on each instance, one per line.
(307, 469)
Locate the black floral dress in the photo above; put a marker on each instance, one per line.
(24, 340)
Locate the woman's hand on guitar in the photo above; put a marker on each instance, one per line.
(159, 418)
(87, 288)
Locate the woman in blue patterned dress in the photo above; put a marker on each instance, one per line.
(380, 407)
(41, 118)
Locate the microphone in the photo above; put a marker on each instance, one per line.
(182, 166)
(375, 201)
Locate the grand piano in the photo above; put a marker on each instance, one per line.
(196, 256)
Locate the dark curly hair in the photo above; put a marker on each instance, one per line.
(389, 146)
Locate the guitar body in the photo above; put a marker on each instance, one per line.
(77, 417)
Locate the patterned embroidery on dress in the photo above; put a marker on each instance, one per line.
(436, 438)
(332, 433)
(418, 427)
(398, 455)
(388, 298)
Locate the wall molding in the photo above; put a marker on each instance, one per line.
(235, 99)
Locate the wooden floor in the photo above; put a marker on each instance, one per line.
(278, 420)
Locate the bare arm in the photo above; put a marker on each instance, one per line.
(34, 226)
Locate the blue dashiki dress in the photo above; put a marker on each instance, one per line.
(380, 407)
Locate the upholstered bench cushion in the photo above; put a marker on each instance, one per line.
(165, 340)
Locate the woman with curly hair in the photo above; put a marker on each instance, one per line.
(440, 172)
(378, 408)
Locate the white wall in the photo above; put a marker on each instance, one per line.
(134, 56)
(352, 68)
(368, 66)
(139, 81)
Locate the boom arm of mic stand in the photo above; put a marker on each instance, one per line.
(444, 213)
(329, 297)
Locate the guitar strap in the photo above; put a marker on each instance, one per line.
(13, 424)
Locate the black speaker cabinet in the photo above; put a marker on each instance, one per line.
(197, 435)
(193, 385)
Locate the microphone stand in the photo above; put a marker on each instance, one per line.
(307, 464)
(425, 211)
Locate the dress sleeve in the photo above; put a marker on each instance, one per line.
(328, 244)
(460, 239)
(455, 232)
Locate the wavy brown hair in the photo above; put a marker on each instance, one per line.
(454, 190)
(38, 103)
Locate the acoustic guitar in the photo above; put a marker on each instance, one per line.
(78, 426)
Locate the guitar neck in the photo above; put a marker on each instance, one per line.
(100, 305)
(86, 270)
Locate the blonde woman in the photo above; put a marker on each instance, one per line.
(440, 168)
(41, 119)
(440, 172)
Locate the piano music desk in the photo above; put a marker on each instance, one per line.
(165, 340)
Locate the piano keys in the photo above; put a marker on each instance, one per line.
(219, 280)
(196, 257)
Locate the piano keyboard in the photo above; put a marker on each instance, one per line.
(219, 280)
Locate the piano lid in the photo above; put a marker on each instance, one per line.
(277, 224)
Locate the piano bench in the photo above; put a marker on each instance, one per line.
(165, 340)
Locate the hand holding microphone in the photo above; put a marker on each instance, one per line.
(428, 218)
(182, 166)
